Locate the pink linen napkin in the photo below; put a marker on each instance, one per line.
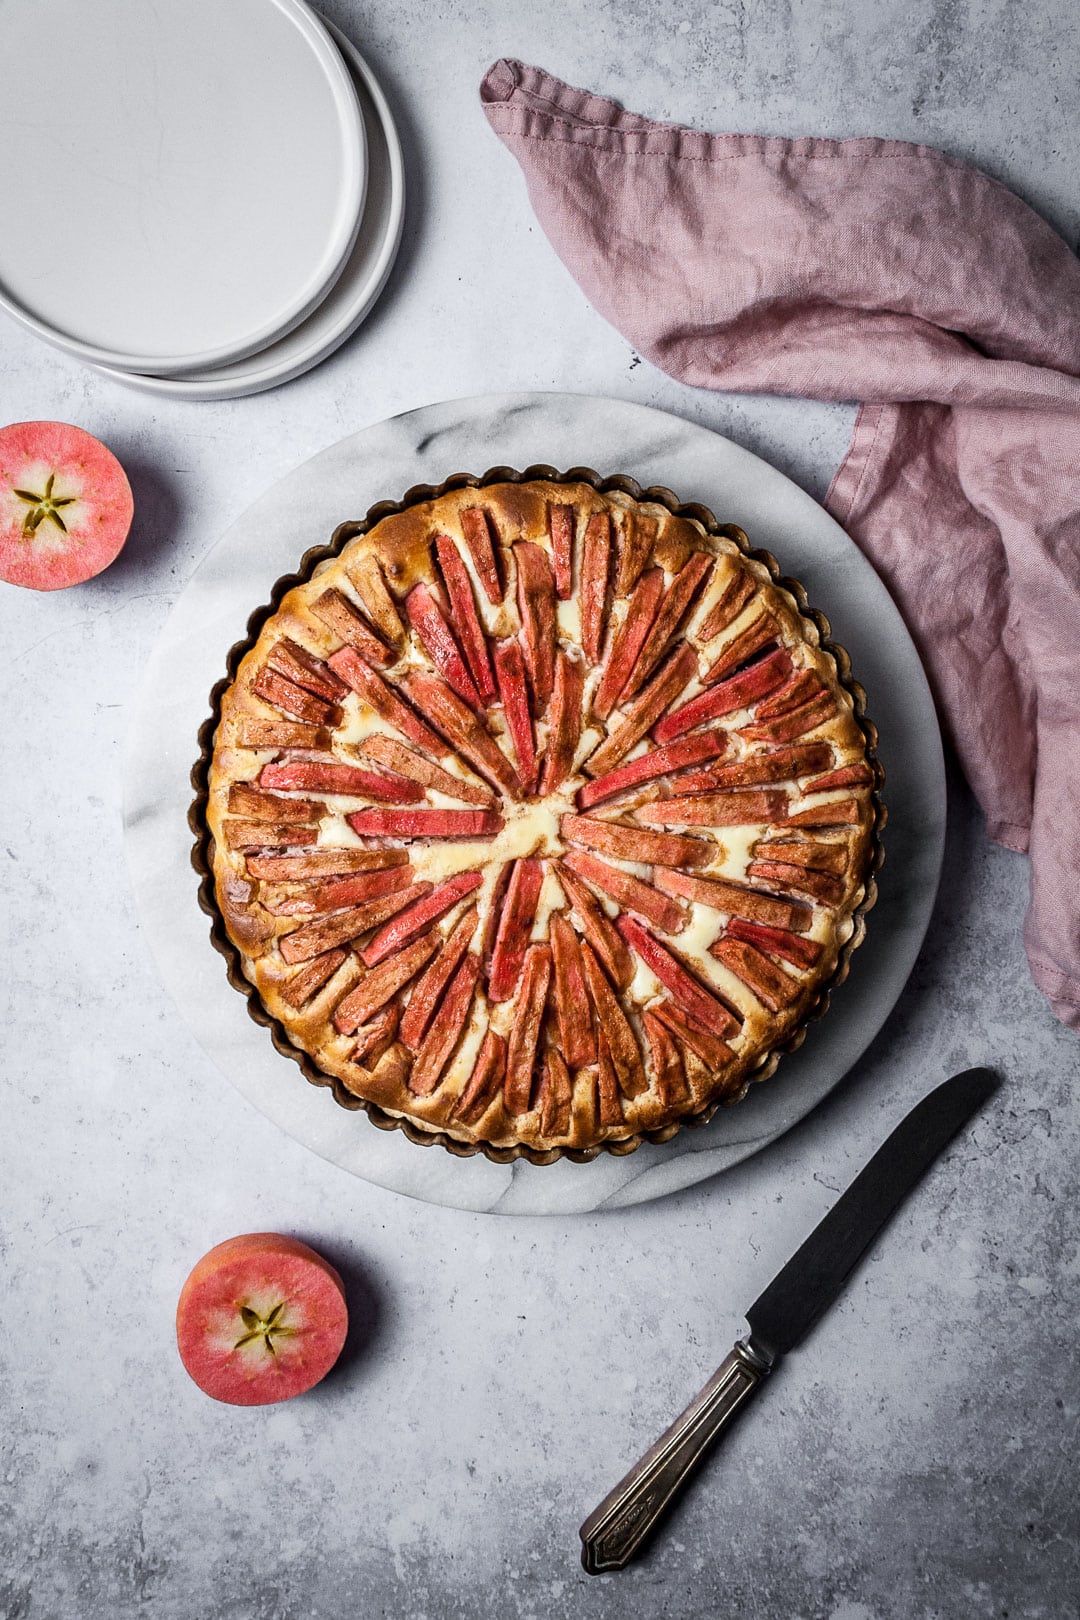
(879, 271)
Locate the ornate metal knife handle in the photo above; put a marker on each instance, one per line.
(613, 1531)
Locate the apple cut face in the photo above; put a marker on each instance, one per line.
(65, 505)
(260, 1319)
(541, 816)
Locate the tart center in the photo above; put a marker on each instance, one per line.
(532, 828)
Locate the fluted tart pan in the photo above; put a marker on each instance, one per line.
(537, 814)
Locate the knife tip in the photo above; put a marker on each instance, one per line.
(976, 1085)
(982, 1079)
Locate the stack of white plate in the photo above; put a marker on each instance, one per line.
(201, 199)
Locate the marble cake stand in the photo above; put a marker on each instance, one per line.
(425, 446)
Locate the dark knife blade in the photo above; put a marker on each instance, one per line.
(817, 1271)
(790, 1305)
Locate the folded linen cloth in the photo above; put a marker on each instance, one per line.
(879, 271)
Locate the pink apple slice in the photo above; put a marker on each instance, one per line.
(260, 1319)
(65, 505)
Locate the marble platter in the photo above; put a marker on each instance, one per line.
(425, 446)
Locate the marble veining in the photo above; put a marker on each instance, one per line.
(423, 447)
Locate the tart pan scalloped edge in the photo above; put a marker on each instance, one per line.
(202, 853)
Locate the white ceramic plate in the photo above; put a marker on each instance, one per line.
(426, 446)
(179, 184)
(356, 289)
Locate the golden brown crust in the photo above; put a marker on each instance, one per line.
(741, 1001)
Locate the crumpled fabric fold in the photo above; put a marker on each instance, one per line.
(895, 275)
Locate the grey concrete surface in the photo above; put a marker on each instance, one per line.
(916, 1457)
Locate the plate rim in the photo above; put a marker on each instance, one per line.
(210, 386)
(322, 278)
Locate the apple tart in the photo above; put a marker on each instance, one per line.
(538, 814)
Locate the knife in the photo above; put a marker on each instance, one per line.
(782, 1316)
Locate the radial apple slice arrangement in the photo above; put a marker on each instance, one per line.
(540, 813)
